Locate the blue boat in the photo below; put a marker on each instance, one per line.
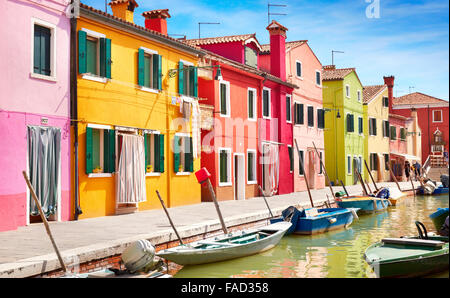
(365, 204)
(437, 191)
(438, 218)
(314, 221)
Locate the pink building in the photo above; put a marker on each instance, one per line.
(34, 110)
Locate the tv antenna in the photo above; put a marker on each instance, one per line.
(273, 13)
(332, 55)
(410, 87)
(204, 23)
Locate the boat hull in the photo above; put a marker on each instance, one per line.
(365, 204)
(184, 255)
(438, 191)
(438, 218)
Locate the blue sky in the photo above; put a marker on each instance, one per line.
(409, 39)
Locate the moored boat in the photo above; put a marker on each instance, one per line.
(438, 217)
(314, 221)
(440, 190)
(365, 204)
(226, 247)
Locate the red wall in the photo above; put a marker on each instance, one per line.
(231, 50)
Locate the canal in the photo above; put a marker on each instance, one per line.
(335, 254)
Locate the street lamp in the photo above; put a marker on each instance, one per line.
(329, 110)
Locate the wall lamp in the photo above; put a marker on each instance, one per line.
(173, 72)
(329, 110)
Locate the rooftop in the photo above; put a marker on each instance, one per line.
(417, 98)
(330, 73)
(370, 92)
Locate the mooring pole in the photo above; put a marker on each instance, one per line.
(304, 173)
(170, 220)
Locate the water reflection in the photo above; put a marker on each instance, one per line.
(333, 254)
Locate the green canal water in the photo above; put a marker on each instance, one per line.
(335, 254)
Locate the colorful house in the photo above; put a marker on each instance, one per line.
(136, 101)
(376, 132)
(344, 118)
(304, 111)
(34, 111)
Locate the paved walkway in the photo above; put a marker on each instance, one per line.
(31, 245)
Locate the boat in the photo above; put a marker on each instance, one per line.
(365, 204)
(227, 247)
(438, 218)
(440, 190)
(314, 221)
(108, 273)
(396, 196)
(408, 256)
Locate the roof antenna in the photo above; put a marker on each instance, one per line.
(332, 55)
(410, 87)
(273, 13)
(200, 23)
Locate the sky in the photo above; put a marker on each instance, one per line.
(405, 38)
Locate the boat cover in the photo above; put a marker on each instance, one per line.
(444, 180)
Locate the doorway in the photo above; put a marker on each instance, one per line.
(239, 176)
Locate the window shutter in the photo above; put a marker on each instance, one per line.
(310, 116)
(301, 114)
(223, 99)
(223, 166)
(194, 82)
(250, 104)
(374, 127)
(156, 149)
(288, 108)
(188, 156)
(156, 71)
(147, 154)
(249, 166)
(180, 78)
(109, 148)
(82, 52)
(105, 57)
(291, 159)
(176, 153)
(89, 160)
(141, 58)
(161, 153)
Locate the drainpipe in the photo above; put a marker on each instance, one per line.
(74, 108)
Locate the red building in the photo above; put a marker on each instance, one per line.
(433, 114)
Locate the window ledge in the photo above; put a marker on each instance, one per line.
(152, 174)
(94, 78)
(251, 119)
(42, 77)
(300, 78)
(252, 182)
(99, 175)
(224, 115)
(225, 184)
(183, 173)
(146, 89)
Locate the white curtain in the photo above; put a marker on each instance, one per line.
(274, 168)
(130, 186)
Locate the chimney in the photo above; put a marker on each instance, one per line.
(389, 81)
(277, 49)
(156, 20)
(329, 67)
(124, 9)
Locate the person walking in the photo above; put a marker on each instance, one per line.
(407, 170)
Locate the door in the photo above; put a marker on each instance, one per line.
(44, 158)
(239, 177)
(267, 188)
(311, 170)
(355, 169)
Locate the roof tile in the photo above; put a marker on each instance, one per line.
(416, 98)
(370, 92)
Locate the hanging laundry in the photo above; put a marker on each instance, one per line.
(196, 135)
(186, 110)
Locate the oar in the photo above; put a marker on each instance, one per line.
(343, 185)
(264, 197)
(44, 220)
(304, 173)
(216, 204)
(325, 172)
(170, 220)
(368, 187)
(393, 176)
(371, 177)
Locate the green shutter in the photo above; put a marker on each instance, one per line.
(109, 149)
(176, 154)
(155, 71)
(250, 166)
(141, 67)
(160, 157)
(180, 78)
(159, 75)
(195, 80)
(108, 58)
(147, 153)
(223, 99)
(82, 53)
(223, 166)
(188, 156)
(301, 114)
(156, 149)
(89, 157)
(250, 104)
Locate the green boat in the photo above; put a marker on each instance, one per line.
(409, 256)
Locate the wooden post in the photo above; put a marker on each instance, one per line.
(343, 185)
(395, 179)
(329, 203)
(371, 177)
(44, 220)
(358, 175)
(216, 204)
(264, 197)
(368, 187)
(412, 184)
(304, 173)
(325, 172)
(170, 220)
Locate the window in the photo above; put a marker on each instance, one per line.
(187, 79)
(402, 134)
(349, 165)
(182, 154)
(94, 54)
(149, 69)
(154, 152)
(251, 166)
(373, 161)
(320, 163)
(393, 133)
(100, 149)
(311, 116)
(251, 104)
(224, 167)
(251, 58)
(224, 98)
(301, 162)
(350, 123)
(291, 158)
(266, 103)
(359, 95)
(347, 91)
(298, 113)
(385, 102)
(288, 108)
(318, 79)
(360, 164)
(386, 128)
(437, 116)
(360, 125)
(298, 67)
(321, 118)
(372, 126)
(386, 162)
(42, 50)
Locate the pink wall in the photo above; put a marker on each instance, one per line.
(25, 100)
(308, 94)
(397, 146)
(230, 50)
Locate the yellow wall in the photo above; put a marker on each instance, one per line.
(376, 144)
(120, 102)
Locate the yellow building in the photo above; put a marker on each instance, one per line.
(135, 112)
(376, 132)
